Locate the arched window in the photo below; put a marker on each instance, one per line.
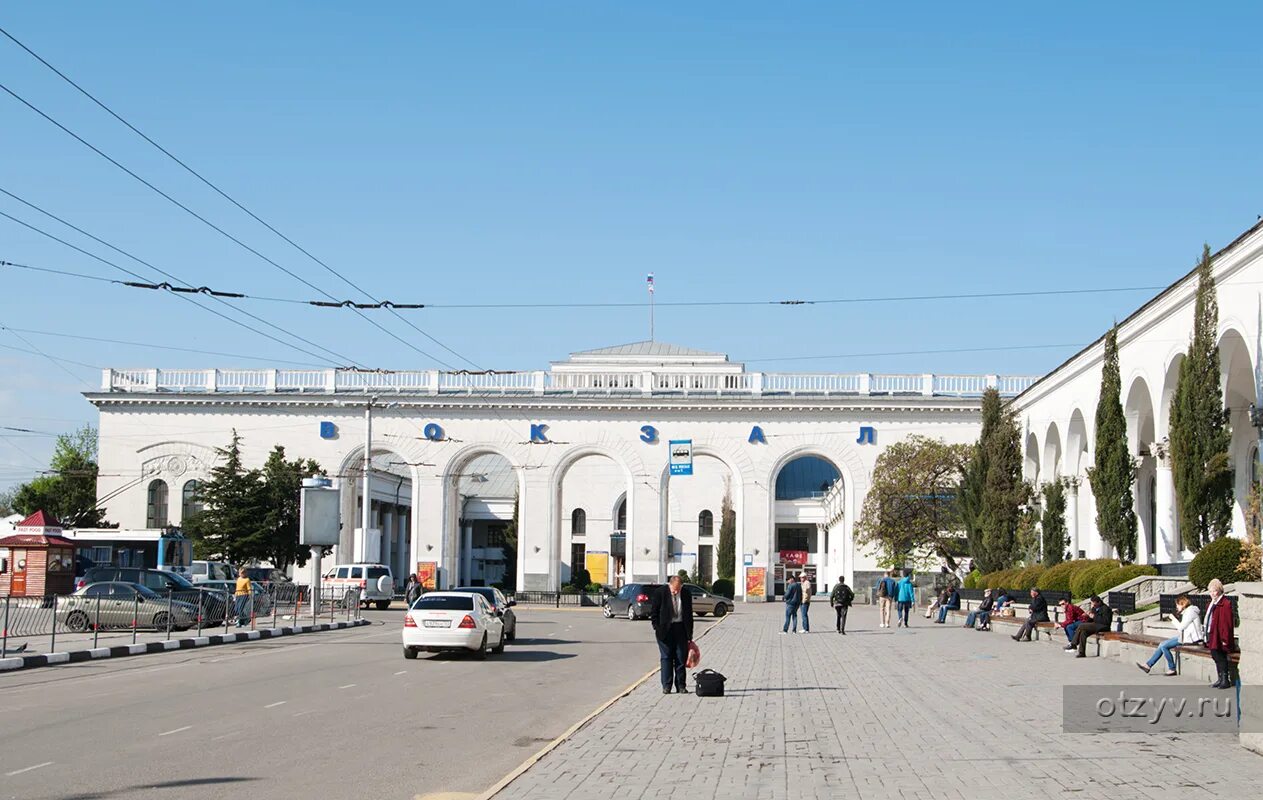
(805, 477)
(157, 514)
(578, 522)
(621, 523)
(706, 524)
(189, 504)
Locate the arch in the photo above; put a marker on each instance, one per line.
(189, 502)
(1170, 380)
(804, 477)
(394, 516)
(1052, 453)
(821, 553)
(1138, 409)
(1076, 444)
(1240, 392)
(156, 504)
(1031, 464)
(1141, 437)
(481, 485)
(620, 513)
(737, 466)
(596, 495)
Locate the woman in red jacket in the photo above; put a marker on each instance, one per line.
(1219, 632)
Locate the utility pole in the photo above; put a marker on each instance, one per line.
(366, 502)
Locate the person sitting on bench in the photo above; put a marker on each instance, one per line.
(983, 608)
(1002, 604)
(952, 604)
(1038, 613)
(1073, 616)
(1188, 631)
(1098, 621)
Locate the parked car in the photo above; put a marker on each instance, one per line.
(632, 601)
(374, 581)
(114, 604)
(460, 621)
(706, 603)
(266, 575)
(204, 571)
(161, 581)
(499, 604)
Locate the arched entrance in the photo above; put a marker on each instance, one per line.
(1141, 428)
(592, 502)
(389, 535)
(799, 517)
(1078, 504)
(1240, 393)
(693, 510)
(481, 541)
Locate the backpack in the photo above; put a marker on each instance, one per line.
(883, 588)
(848, 596)
(709, 683)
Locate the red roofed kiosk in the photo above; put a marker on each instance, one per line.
(36, 560)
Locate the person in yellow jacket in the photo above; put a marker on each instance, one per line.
(243, 598)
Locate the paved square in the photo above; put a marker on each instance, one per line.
(933, 711)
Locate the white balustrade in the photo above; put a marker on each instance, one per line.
(330, 381)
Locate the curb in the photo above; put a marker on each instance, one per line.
(14, 663)
(504, 782)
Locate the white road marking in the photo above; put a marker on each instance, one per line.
(348, 686)
(402, 672)
(27, 769)
(223, 736)
(177, 730)
(274, 705)
(304, 713)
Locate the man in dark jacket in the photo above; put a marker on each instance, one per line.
(793, 599)
(952, 603)
(1099, 618)
(841, 598)
(671, 612)
(1039, 613)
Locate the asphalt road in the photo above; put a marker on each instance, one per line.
(332, 715)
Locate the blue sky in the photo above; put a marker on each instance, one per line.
(552, 152)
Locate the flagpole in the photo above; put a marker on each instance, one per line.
(651, 301)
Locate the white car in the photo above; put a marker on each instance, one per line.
(374, 582)
(441, 621)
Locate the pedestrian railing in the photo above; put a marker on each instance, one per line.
(559, 599)
(116, 609)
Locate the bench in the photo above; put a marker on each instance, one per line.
(1166, 605)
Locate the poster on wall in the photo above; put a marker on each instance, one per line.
(427, 574)
(681, 456)
(756, 582)
(598, 565)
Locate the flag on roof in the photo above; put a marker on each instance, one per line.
(650, 282)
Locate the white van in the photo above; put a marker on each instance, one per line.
(374, 581)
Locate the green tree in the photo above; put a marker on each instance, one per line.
(727, 555)
(281, 490)
(1054, 535)
(68, 492)
(973, 481)
(1200, 436)
(911, 510)
(1004, 493)
(229, 526)
(510, 549)
(6, 502)
(1114, 470)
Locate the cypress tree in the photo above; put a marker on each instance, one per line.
(1114, 471)
(1004, 492)
(230, 525)
(726, 569)
(1053, 523)
(1200, 437)
(973, 480)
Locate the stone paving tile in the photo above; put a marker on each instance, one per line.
(932, 711)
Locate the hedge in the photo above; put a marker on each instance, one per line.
(971, 580)
(723, 587)
(1219, 559)
(1083, 581)
(1000, 579)
(1026, 578)
(1113, 577)
(1056, 579)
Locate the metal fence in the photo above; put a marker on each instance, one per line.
(559, 599)
(115, 608)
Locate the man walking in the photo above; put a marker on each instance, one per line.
(672, 615)
(907, 595)
(841, 598)
(793, 599)
(885, 598)
(808, 590)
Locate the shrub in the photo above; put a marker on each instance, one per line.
(971, 580)
(580, 578)
(1113, 577)
(1083, 582)
(594, 588)
(1250, 568)
(723, 587)
(1056, 579)
(1027, 578)
(1219, 559)
(1001, 579)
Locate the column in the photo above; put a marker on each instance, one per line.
(755, 535)
(646, 538)
(467, 554)
(1250, 637)
(537, 537)
(428, 519)
(1072, 515)
(1169, 545)
(387, 533)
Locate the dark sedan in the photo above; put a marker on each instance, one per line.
(500, 604)
(632, 601)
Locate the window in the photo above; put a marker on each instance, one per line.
(805, 477)
(496, 536)
(443, 603)
(377, 572)
(189, 503)
(621, 521)
(157, 515)
(705, 524)
(357, 573)
(578, 552)
(98, 590)
(200, 568)
(344, 572)
(578, 522)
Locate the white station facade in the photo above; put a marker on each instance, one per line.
(616, 460)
